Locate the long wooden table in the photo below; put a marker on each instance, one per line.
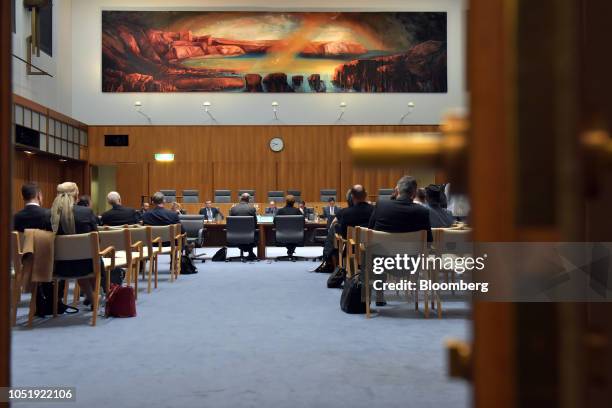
(215, 234)
(194, 208)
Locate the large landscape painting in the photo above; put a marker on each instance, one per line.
(197, 51)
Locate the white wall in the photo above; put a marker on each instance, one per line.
(93, 107)
(56, 92)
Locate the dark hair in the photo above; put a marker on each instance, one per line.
(84, 201)
(158, 198)
(420, 194)
(407, 186)
(434, 194)
(29, 191)
(331, 199)
(290, 200)
(358, 192)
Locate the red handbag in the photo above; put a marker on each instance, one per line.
(120, 301)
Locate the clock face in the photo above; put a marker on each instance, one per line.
(277, 144)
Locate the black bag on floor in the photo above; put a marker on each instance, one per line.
(336, 279)
(220, 255)
(187, 266)
(350, 301)
(325, 267)
(44, 300)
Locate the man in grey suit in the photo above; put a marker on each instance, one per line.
(243, 208)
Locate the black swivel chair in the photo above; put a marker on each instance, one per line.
(193, 227)
(326, 194)
(191, 196)
(169, 195)
(385, 193)
(223, 196)
(297, 194)
(276, 196)
(240, 232)
(289, 233)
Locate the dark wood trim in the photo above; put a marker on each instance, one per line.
(6, 152)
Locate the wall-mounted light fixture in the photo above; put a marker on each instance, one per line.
(29, 153)
(138, 107)
(275, 106)
(342, 107)
(164, 157)
(207, 109)
(411, 106)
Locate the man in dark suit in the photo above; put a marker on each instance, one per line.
(400, 214)
(305, 211)
(158, 215)
(289, 209)
(119, 215)
(209, 212)
(32, 215)
(439, 217)
(330, 211)
(272, 209)
(358, 214)
(243, 208)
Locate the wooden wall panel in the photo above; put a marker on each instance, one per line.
(238, 157)
(131, 187)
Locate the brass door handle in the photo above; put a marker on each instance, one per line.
(459, 359)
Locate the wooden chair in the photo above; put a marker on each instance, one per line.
(119, 239)
(351, 261)
(451, 242)
(161, 234)
(17, 275)
(379, 243)
(80, 247)
(143, 235)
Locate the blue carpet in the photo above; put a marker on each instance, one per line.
(235, 335)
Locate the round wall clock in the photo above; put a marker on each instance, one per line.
(277, 144)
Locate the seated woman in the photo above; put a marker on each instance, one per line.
(67, 219)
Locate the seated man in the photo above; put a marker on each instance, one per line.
(305, 211)
(400, 215)
(438, 217)
(158, 215)
(359, 213)
(32, 216)
(330, 211)
(243, 208)
(209, 212)
(119, 215)
(272, 209)
(289, 209)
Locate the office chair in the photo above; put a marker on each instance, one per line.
(240, 232)
(289, 232)
(191, 196)
(223, 196)
(297, 194)
(169, 195)
(385, 193)
(193, 226)
(251, 193)
(276, 196)
(326, 194)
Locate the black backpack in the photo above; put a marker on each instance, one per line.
(44, 300)
(336, 279)
(187, 266)
(350, 301)
(220, 255)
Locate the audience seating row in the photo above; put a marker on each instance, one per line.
(129, 247)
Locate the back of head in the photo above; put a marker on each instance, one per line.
(113, 198)
(84, 201)
(407, 187)
(29, 191)
(158, 198)
(245, 198)
(358, 194)
(290, 200)
(421, 195)
(434, 194)
(61, 210)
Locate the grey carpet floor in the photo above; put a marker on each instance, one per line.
(235, 335)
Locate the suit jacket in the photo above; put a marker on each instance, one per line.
(32, 216)
(243, 209)
(400, 215)
(440, 217)
(327, 211)
(120, 215)
(271, 211)
(307, 210)
(215, 211)
(289, 211)
(160, 216)
(356, 215)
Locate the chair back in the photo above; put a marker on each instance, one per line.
(276, 196)
(169, 195)
(16, 244)
(251, 194)
(164, 232)
(240, 230)
(115, 237)
(296, 193)
(76, 247)
(326, 194)
(191, 196)
(289, 229)
(142, 234)
(192, 225)
(385, 193)
(223, 196)
(455, 241)
(385, 244)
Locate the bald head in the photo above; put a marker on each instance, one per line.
(359, 193)
(245, 197)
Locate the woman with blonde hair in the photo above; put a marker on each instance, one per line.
(67, 219)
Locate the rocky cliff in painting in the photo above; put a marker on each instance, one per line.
(138, 56)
